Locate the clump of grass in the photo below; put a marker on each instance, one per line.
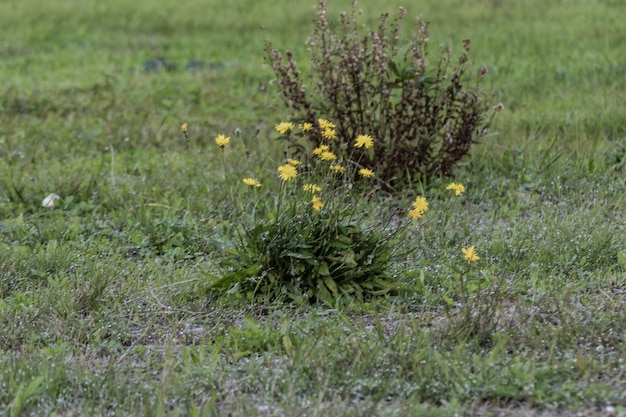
(426, 113)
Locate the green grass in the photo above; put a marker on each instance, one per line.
(103, 299)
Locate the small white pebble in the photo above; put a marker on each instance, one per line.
(610, 410)
(49, 200)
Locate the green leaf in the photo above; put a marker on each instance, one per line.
(448, 300)
(323, 294)
(348, 259)
(330, 283)
(341, 242)
(287, 343)
(236, 276)
(251, 324)
(24, 394)
(393, 67)
(322, 269)
(621, 259)
(300, 255)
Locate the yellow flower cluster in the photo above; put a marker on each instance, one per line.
(325, 124)
(314, 188)
(305, 127)
(320, 149)
(337, 169)
(328, 128)
(457, 187)
(284, 127)
(420, 206)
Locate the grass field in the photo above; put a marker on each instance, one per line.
(103, 302)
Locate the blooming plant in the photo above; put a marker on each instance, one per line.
(424, 113)
(480, 299)
(306, 234)
(306, 237)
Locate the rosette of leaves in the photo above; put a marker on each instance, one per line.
(309, 255)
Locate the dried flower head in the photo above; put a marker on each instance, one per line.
(50, 200)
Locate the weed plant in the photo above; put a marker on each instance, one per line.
(426, 114)
(312, 235)
(309, 236)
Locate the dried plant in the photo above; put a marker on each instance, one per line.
(425, 115)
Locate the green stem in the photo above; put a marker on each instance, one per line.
(465, 295)
(223, 165)
(280, 194)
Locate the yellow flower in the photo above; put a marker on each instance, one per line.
(338, 169)
(366, 173)
(320, 149)
(470, 254)
(317, 203)
(420, 204)
(284, 127)
(252, 182)
(286, 172)
(415, 213)
(457, 187)
(312, 188)
(222, 140)
(183, 127)
(327, 156)
(364, 141)
(305, 127)
(325, 124)
(293, 162)
(329, 134)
